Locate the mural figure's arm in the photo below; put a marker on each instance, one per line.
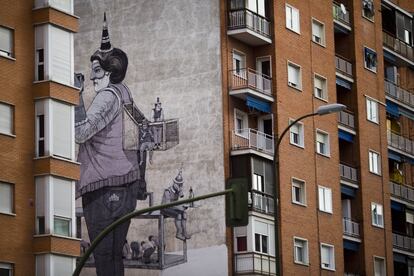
(104, 108)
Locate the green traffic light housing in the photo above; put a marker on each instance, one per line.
(236, 202)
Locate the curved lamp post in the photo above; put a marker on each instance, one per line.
(322, 110)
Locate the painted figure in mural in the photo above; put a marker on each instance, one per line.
(110, 177)
(146, 141)
(157, 116)
(171, 194)
(135, 248)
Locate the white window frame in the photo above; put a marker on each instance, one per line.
(322, 25)
(297, 69)
(363, 13)
(374, 162)
(12, 120)
(378, 218)
(372, 110)
(241, 57)
(10, 188)
(300, 184)
(238, 114)
(8, 266)
(289, 14)
(332, 256)
(305, 248)
(270, 235)
(324, 89)
(8, 53)
(326, 143)
(301, 134)
(384, 266)
(365, 62)
(324, 204)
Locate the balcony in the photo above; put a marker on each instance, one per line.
(348, 174)
(341, 19)
(261, 202)
(245, 82)
(398, 47)
(403, 97)
(343, 68)
(403, 242)
(251, 141)
(402, 192)
(400, 144)
(347, 120)
(351, 228)
(249, 27)
(254, 263)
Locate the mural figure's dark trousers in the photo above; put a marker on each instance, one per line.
(101, 208)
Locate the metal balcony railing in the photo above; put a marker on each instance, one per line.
(402, 191)
(398, 93)
(347, 119)
(262, 202)
(244, 18)
(249, 78)
(351, 228)
(254, 263)
(252, 139)
(339, 15)
(403, 242)
(348, 173)
(343, 66)
(397, 46)
(399, 142)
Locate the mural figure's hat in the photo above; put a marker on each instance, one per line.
(179, 178)
(158, 101)
(105, 43)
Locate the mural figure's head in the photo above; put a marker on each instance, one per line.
(109, 65)
(178, 184)
(157, 105)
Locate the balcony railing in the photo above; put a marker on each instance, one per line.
(339, 15)
(402, 191)
(351, 228)
(399, 142)
(252, 263)
(398, 93)
(343, 66)
(249, 78)
(398, 46)
(252, 139)
(243, 18)
(347, 119)
(261, 202)
(403, 242)
(348, 173)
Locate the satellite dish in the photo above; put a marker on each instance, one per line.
(343, 9)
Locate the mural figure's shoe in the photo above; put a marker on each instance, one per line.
(180, 237)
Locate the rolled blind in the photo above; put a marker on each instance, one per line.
(40, 196)
(6, 118)
(260, 228)
(62, 197)
(6, 40)
(65, 5)
(60, 53)
(62, 265)
(62, 129)
(293, 74)
(6, 198)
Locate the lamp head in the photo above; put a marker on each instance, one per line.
(330, 108)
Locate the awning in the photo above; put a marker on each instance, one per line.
(258, 104)
(389, 57)
(406, 113)
(400, 258)
(350, 245)
(345, 136)
(393, 109)
(397, 206)
(394, 156)
(348, 191)
(343, 83)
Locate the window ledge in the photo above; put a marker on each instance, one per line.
(58, 82)
(8, 214)
(299, 204)
(324, 155)
(57, 9)
(8, 135)
(330, 269)
(326, 212)
(7, 57)
(299, 263)
(297, 145)
(321, 99)
(56, 236)
(374, 173)
(293, 31)
(372, 71)
(296, 88)
(378, 226)
(57, 158)
(320, 44)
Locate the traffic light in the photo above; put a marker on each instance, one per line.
(236, 202)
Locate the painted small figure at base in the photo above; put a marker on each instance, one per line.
(157, 116)
(135, 247)
(171, 194)
(146, 141)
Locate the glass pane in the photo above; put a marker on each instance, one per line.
(264, 245)
(62, 226)
(257, 242)
(241, 243)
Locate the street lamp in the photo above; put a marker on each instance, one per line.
(322, 110)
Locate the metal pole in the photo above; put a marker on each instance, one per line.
(127, 217)
(276, 144)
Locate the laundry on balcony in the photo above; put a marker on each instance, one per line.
(343, 83)
(257, 104)
(343, 135)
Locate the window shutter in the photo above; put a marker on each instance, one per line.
(328, 199)
(62, 129)
(289, 17)
(321, 198)
(60, 52)
(260, 228)
(6, 40)
(325, 258)
(40, 196)
(62, 197)
(409, 217)
(6, 198)
(293, 73)
(65, 5)
(400, 24)
(62, 265)
(6, 119)
(261, 10)
(295, 20)
(240, 231)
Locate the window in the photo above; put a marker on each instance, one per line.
(6, 198)
(257, 6)
(294, 76)
(54, 264)
(297, 134)
(377, 214)
(6, 42)
(6, 269)
(41, 135)
(240, 123)
(320, 87)
(6, 119)
(40, 65)
(322, 143)
(300, 251)
(368, 9)
(318, 32)
(239, 64)
(263, 237)
(379, 266)
(240, 234)
(261, 243)
(62, 191)
(374, 162)
(325, 199)
(62, 129)
(370, 59)
(258, 183)
(262, 176)
(327, 256)
(404, 28)
(298, 192)
(372, 111)
(292, 19)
